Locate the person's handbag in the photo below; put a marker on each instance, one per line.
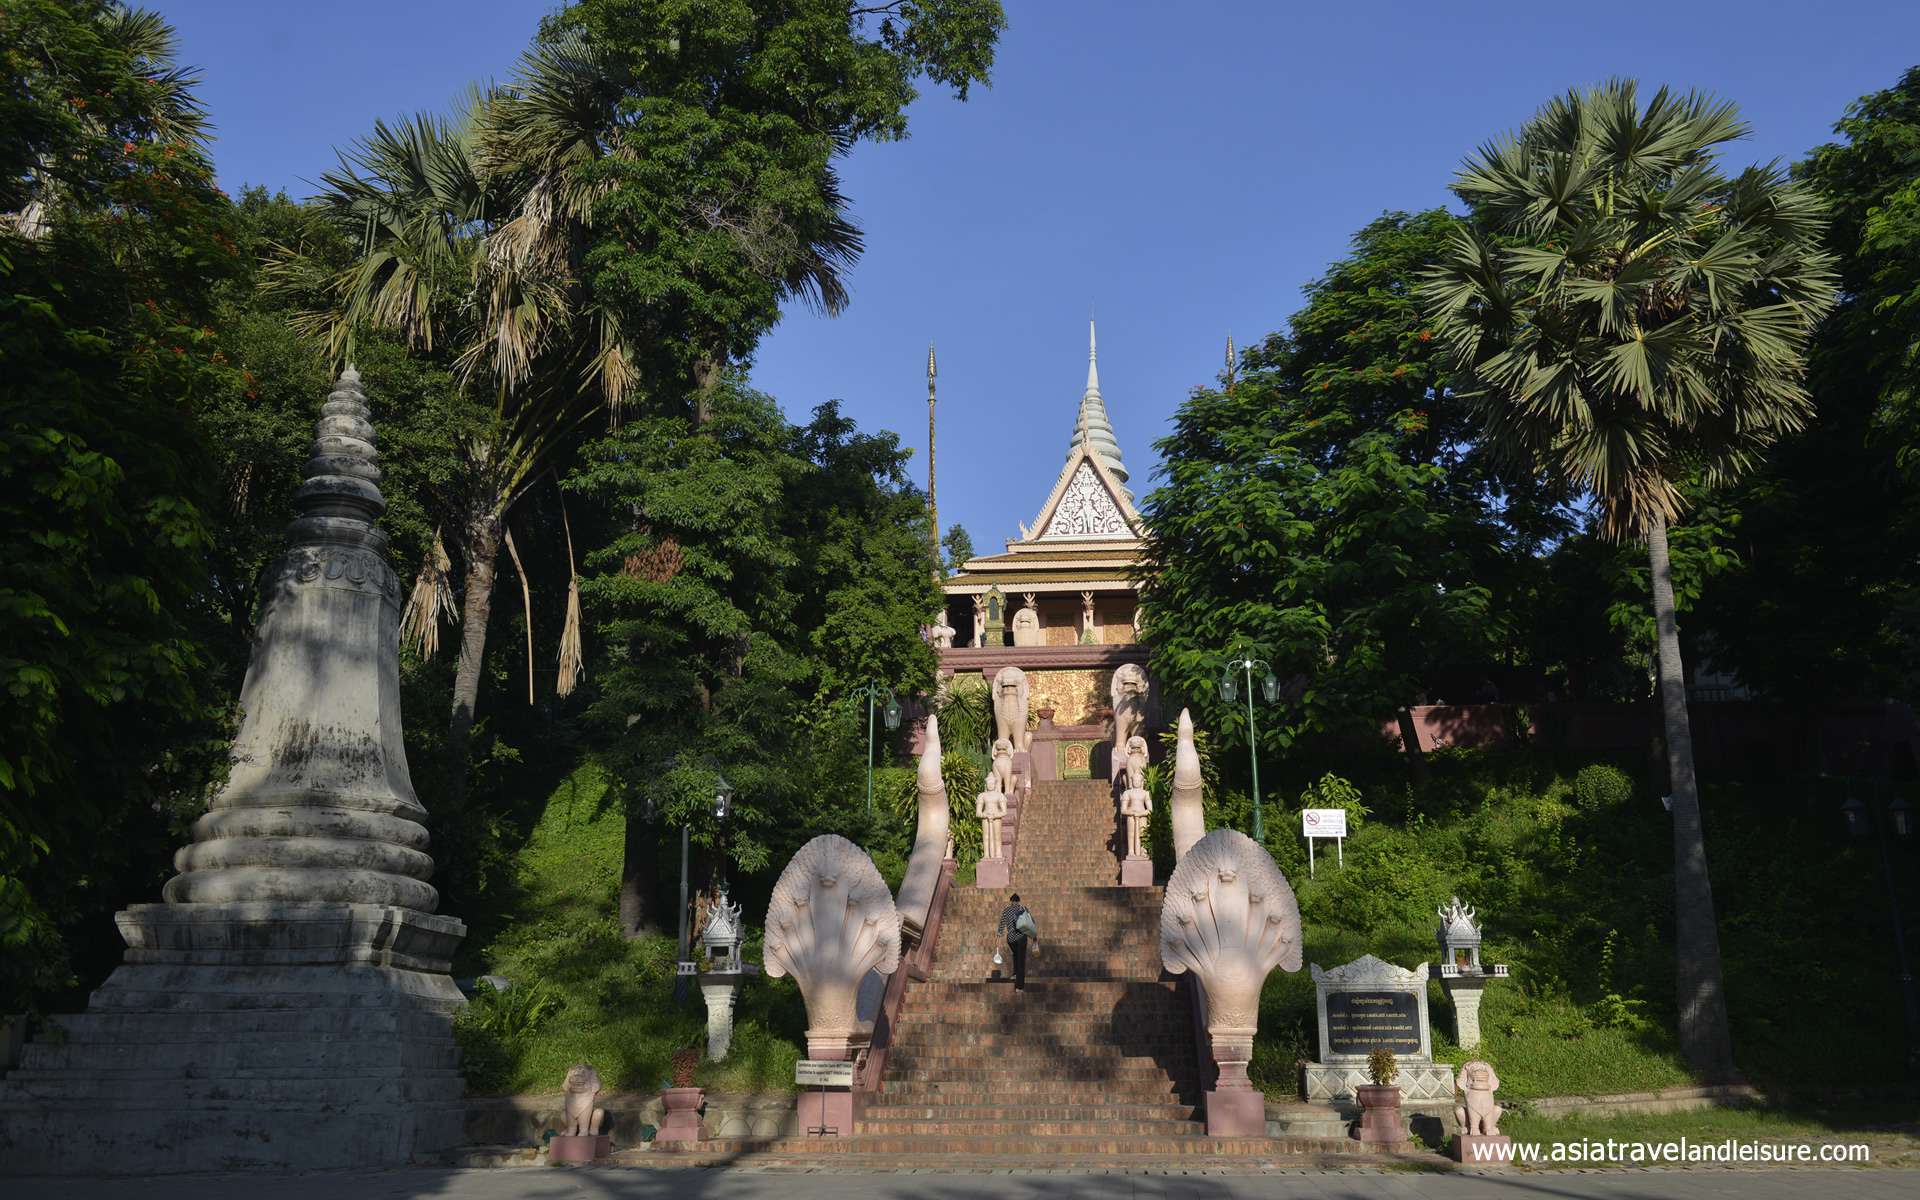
(1024, 926)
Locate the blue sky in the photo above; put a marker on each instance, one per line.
(1179, 170)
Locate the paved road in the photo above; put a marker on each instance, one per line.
(536, 1183)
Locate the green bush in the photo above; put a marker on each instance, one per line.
(1602, 786)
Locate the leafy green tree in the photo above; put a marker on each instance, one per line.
(756, 572)
(112, 243)
(1330, 513)
(621, 222)
(1629, 317)
(1826, 602)
(958, 544)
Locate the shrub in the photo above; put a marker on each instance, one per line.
(685, 1063)
(1602, 786)
(1382, 1067)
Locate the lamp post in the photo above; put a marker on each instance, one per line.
(872, 692)
(1229, 691)
(1893, 821)
(722, 805)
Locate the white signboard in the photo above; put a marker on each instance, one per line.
(1323, 822)
(823, 1072)
(1316, 823)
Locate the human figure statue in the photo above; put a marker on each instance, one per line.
(579, 1116)
(1136, 803)
(979, 622)
(1003, 765)
(940, 633)
(1010, 708)
(1477, 1113)
(1026, 623)
(1089, 632)
(991, 807)
(1128, 696)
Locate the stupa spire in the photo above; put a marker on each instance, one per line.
(1093, 427)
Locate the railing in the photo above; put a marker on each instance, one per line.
(870, 1067)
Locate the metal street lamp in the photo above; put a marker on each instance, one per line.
(1229, 691)
(1896, 825)
(872, 692)
(722, 805)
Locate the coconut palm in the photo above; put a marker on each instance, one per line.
(1630, 318)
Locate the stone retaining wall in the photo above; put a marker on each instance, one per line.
(524, 1120)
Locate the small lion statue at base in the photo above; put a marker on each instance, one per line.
(579, 1117)
(1477, 1113)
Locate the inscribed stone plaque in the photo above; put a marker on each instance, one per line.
(1359, 1022)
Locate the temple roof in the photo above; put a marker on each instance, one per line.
(1087, 533)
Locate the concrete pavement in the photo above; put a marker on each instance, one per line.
(533, 1183)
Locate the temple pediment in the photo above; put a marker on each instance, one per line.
(1087, 504)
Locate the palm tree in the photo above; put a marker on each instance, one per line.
(1628, 318)
(473, 235)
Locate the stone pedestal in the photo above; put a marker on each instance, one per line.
(1464, 991)
(288, 1006)
(993, 874)
(1381, 1122)
(1236, 1113)
(682, 1122)
(826, 1112)
(1136, 872)
(721, 990)
(571, 1148)
(1481, 1150)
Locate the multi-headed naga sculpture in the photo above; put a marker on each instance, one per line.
(830, 923)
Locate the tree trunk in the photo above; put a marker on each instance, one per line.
(706, 378)
(1704, 1040)
(483, 548)
(637, 916)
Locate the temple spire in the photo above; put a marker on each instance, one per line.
(1093, 428)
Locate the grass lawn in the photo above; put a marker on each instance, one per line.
(585, 993)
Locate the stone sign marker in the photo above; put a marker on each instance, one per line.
(1365, 1005)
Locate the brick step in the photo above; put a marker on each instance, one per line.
(1004, 1152)
(948, 1127)
(1039, 1047)
(1030, 1112)
(1086, 991)
(1046, 1093)
(1055, 1025)
(1142, 1072)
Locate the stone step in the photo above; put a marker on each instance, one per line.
(246, 1024)
(283, 1089)
(216, 1058)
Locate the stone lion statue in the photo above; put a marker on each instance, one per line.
(1477, 1113)
(1128, 694)
(1003, 766)
(1010, 691)
(579, 1117)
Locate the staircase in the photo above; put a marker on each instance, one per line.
(1095, 1059)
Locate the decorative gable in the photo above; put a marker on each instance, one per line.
(1087, 504)
(1086, 509)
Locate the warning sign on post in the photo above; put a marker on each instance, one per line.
(1323, 822)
